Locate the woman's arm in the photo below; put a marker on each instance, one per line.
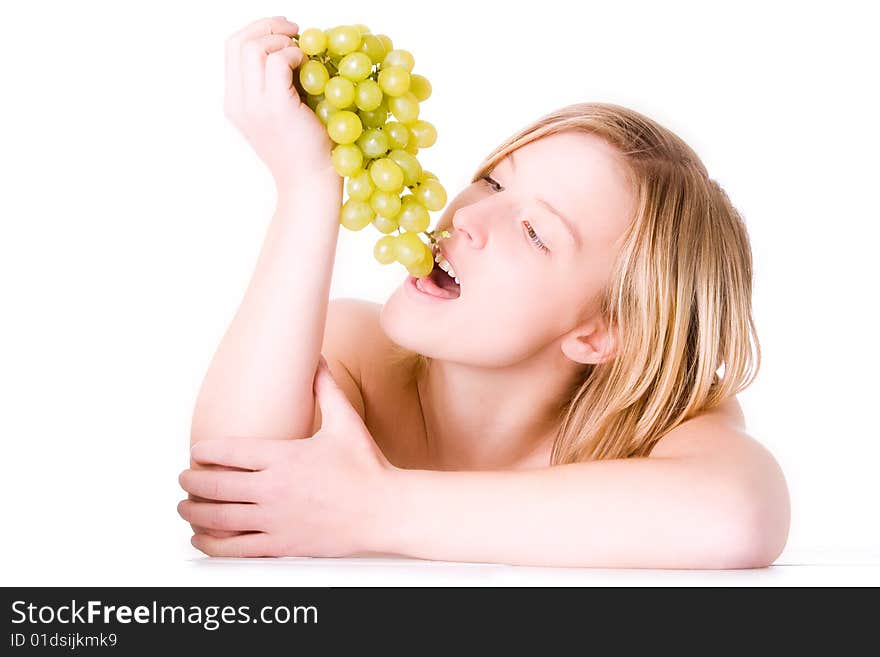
(708, 496)
(259, 383)
(718, 508)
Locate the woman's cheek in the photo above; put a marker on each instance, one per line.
(522, 308)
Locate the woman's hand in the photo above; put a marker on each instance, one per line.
(195, 465)
(321, 496)
(263, 104)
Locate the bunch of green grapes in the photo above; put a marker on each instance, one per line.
(353, 80)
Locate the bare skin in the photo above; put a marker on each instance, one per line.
(413, 470)
(524, 329)
(527, 323)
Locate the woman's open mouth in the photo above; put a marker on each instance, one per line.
(438, 284)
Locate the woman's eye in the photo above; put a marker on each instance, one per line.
(534, 239)
(532, 235)
(493, 184)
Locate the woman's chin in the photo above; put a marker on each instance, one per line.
(410, 328)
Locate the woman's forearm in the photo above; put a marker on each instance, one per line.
(627, 513)
(259, 382)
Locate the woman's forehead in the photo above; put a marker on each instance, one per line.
(578, 173)
(564, 156)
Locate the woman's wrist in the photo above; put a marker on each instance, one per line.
(325, 184)
(385, 533)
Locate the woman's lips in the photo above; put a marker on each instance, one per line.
(428, 289)
(428, 285)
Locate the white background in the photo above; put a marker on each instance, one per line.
(132, 215)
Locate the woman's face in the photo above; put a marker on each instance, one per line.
(525, 278)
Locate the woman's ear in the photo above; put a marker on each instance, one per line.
(589, 343)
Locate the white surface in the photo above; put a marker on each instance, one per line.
(794, 568)
(132, 214)
(824, 569)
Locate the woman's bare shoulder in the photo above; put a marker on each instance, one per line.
(340, 347)
(359, 355)
(382, 365)
(709, 432)
(354, 335)
(357, 320)
(385, 376)
(363, 364)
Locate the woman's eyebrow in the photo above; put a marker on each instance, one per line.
(569, 226)
(565, 222)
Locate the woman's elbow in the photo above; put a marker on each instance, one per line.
(761, 527)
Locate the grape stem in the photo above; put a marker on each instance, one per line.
(430, 233)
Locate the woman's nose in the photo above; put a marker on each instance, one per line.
(469, 230)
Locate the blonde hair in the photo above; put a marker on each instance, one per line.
(678, 303)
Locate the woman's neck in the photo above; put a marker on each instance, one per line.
(493, 418)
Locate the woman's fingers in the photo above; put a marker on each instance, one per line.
(253, 54)
(198, 529)
(280, 65)
(221, 485)
(277, 25)
(222, 515)
(246, 545)
(270, 25)
(218, 533)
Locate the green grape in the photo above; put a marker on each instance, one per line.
(343, 40)
(384, 224)
(412, 170)
(424, 266)
(413, 216)
(429, 254)
(340, 92)
(313, 41)
(431, 194)
(398, 134)
(355, 66)
(373, 142)
(420, 86)
(325, 110)
(385, 204)
(401, 58)
(372, 47)
(386, 174)
(356, 82)
(368, 95)
(386, 41)
(360, 186)
(344, 127)
(355, 215)
(394, 81)
(347, 159)
(375, 118)
(424, 132)
(405, 108)
(385, 250)
(313, 77)
(410, 249)
(411, 148)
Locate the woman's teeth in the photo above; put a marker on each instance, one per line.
(445, 266)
